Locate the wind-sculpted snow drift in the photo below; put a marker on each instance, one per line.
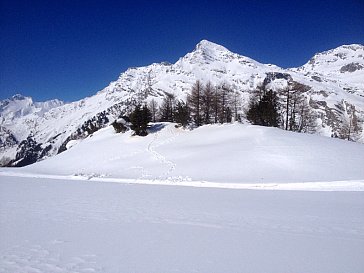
(333, 80)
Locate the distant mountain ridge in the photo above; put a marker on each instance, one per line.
(19, 105)
(334, 77)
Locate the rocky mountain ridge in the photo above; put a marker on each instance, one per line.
(334, 81)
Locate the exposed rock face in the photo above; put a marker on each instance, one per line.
(272, 76)
(8, 145)
(333, 80)
(29, 151)
(7, 139)
(351, 67)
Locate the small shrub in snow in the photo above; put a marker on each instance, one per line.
(120, 126)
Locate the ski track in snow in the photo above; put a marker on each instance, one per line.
(151, 149)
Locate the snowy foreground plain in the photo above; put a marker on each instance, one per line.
(83, 226)
(179, 201)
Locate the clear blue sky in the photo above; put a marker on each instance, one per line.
(72, 49)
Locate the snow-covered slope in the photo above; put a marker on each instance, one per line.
(89, 209)
(50, 129)
(343, 65)
(231, 153)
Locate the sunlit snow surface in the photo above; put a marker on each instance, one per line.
(77, 226)
(230, 153)
(178, 201)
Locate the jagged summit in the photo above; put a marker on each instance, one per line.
(18, 97)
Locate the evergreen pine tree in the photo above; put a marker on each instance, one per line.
(264, 111)
(139, 119)
(253, 113)
(182, 113)
(269, 109)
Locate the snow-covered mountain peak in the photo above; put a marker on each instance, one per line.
(353, 47)
(14, 104)
(333, 60)
(207, 46)
(18, 97)
(342, 53)
(210, 61)
(19, 106)
(207, 52)
(343, 65)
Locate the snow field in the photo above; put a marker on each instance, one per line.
(51, 225)
(61, 215)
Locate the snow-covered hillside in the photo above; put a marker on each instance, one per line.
(343, 65)
(230, 153)
(335, 87)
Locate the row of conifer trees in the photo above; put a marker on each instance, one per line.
(208, 104)
(205, 104)
(287, 108)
